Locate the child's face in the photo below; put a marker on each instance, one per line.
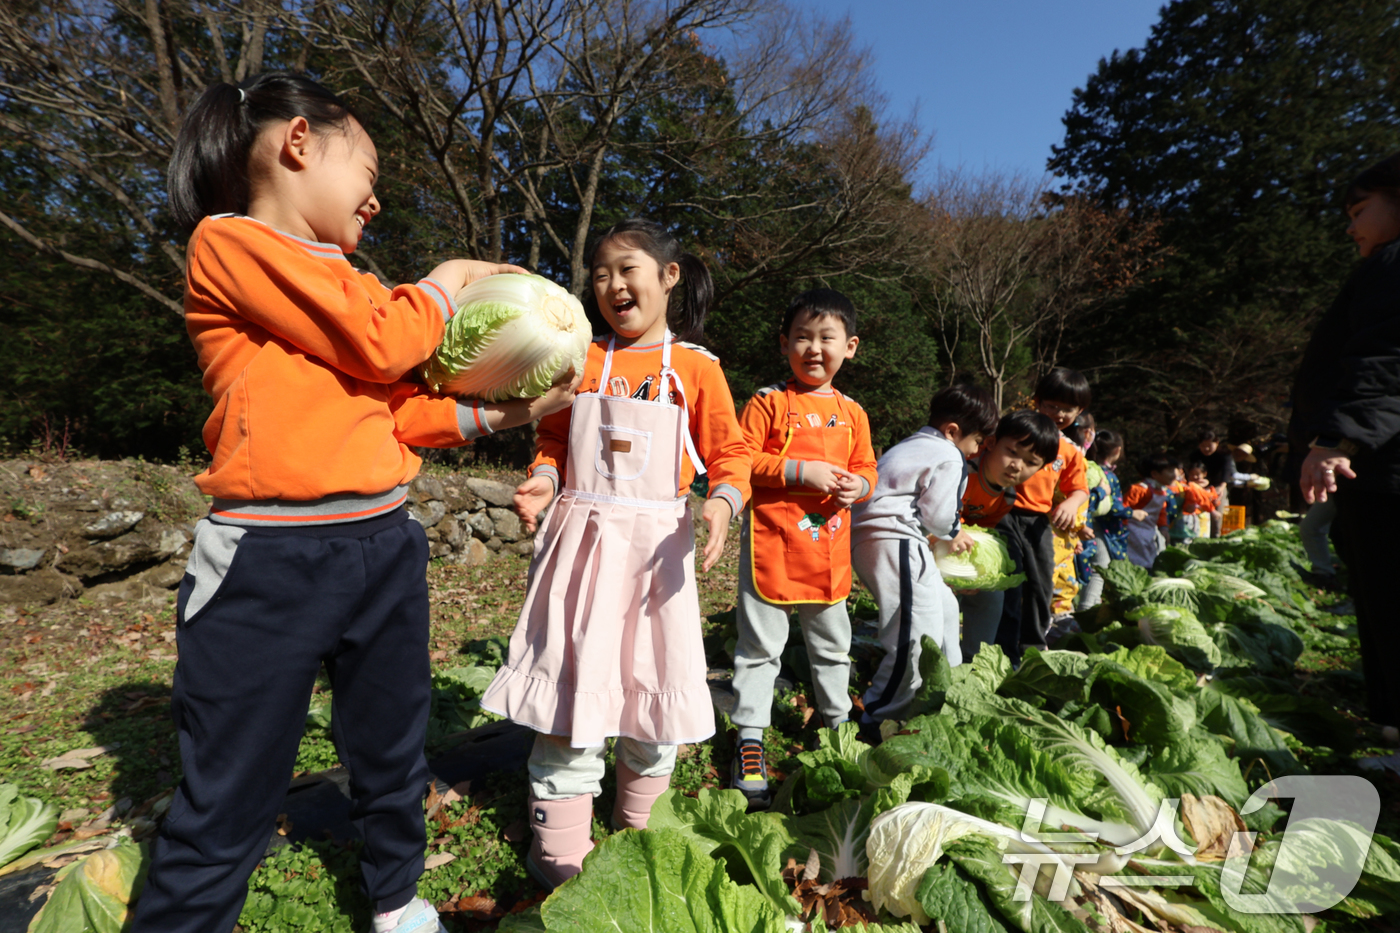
(1196, 477)
(1063, 415)
(1010, 462)
(816, 347)
(967, 444)
(632, 290)
(1208, 447)
(336, 198)
(1374, 221)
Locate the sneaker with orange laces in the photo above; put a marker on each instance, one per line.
(749, 774)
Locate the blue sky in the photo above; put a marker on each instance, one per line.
(991, 78)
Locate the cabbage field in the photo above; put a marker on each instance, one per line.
(1144, 776)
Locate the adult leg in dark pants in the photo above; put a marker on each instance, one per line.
(1364, 534)
(353, 596)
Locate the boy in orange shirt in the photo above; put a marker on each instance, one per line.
(1060, 395)
(1202, 500)
(1024, 442)
(812, 459)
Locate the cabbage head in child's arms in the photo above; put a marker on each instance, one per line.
(987, 566)
(513, 336)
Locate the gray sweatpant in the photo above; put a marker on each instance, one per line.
(1091, 594)
(559, 771)
(1314, 529)
(914, 602)
(763, 633)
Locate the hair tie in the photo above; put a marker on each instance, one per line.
(241, 96)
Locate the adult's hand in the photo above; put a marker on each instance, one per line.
(1320, 471)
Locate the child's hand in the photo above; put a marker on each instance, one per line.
(560, 395)
(963, 542)
(1064, 515)
(849, 487)
(716, 516)
(823, 476)
(454, 274)
(517, 411)
(531, 497)
(1086, 533)
(1140, 515)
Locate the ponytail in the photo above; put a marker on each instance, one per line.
(691, 299)
(209, 168)
(692, 295)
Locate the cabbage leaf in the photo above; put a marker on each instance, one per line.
(987, 566)
(24, 822)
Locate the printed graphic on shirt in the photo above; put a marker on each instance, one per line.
(644, 390)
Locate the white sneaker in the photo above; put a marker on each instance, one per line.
(418, 917)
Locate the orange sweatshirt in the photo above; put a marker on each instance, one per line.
(709, 406)
(764, 422)
(1139, 495)
(1201, 499)
(304, 357)
(1066, 474)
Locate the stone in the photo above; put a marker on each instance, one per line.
(439, 549)
(493, 543)
(113, 524)
(450, 530)
(168, 575)
(434, 535)
(38, 588)
(132, 549)
(428, 513)
(426, 487)
(20, 558)
(525, 548)
(497, 494)
(481, 526)
(461, 499)
(473, 553)
(507, 524)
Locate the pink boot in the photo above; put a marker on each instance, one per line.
(562, 838)
(635, 795)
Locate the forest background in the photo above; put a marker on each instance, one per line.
(1187, 236)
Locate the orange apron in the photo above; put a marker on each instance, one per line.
(800, 540)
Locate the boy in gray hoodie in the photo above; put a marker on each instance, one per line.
(918, 494)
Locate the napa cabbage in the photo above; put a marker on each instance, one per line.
(1180, 632)
(987, 566)
(513, 336)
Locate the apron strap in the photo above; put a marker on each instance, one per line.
(668, 373)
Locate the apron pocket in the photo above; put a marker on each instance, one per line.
(623, 453)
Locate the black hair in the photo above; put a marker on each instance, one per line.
(209, 167)
(1032, 426)
(1105, 443)
(969, 406)
(1196, 465)
(693, 293)
(1159, 462)
(821, 302)
(1207, 434)
(1382, 178)
(1066, 386)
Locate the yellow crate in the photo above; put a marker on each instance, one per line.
(1232, 520)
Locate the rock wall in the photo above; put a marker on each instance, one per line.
(122, 529)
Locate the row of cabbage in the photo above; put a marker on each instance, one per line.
(1131, 781)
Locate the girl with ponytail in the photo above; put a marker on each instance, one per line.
(307, 557)
(608, 642)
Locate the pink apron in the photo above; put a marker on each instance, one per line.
(608, 642)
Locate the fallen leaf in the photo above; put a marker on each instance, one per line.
(1213, 823)
(437, 860)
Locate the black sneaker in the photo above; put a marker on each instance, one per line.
(748, 774)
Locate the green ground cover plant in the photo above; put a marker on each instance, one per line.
(1103, 732)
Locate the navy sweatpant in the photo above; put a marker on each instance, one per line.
(353, 596)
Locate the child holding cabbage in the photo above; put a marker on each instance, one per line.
(918, 494)
(1023, 443)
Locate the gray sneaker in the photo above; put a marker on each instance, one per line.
(749, 774)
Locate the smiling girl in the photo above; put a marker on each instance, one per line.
(608, 642)
(307, 556)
